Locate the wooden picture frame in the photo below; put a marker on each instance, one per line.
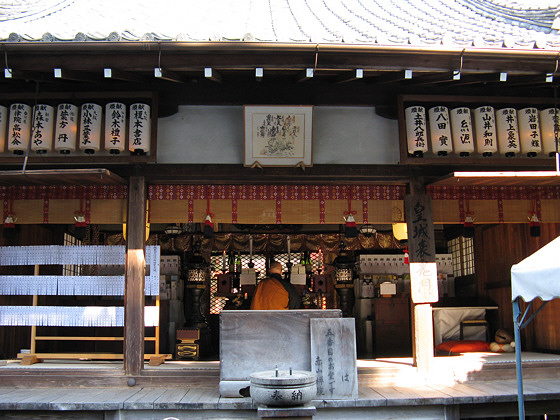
(278, 135)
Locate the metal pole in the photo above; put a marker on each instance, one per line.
(516, 328)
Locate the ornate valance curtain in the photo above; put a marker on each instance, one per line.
(278, 204)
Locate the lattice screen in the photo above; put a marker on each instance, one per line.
(218, 303)
(462, 250)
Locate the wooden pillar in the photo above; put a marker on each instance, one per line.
(423, 272)
(134, 277)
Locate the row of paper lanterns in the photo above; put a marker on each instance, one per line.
(68, 128)
(508, 131)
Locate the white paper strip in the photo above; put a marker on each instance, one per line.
(73, 285)
(59, 254)
(152, 280)
(71, 316)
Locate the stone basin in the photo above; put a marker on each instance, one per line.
(283, 387)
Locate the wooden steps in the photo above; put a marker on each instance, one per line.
(102, 377)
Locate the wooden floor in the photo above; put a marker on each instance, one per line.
(389, 388)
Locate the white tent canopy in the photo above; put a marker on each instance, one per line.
(536, 276)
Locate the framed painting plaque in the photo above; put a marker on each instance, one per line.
(278, 135)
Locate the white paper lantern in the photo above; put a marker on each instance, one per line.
(440, 130)
(416, 135)
(3, 126)
(529, 131)
(66, 129)
(140, 129)
(19, 128)
(550, 130)
(485, 130)
(115, 127)
(462, 132)
(90, 128)
(508, 132)
(42, 129)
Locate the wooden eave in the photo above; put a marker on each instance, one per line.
(236, 62)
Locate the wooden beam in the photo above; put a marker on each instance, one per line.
(76, 76)
(24, 75)
(93, 356)
(350, 76)
(423, 345)
(529, 80)
(213, 75)
(168, 75)
(83, 338)
(134, 277)
(389, 77)
(432, 78)
(305, 75)
(110, 73)
(471, 79)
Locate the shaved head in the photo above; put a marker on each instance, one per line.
(275, 267)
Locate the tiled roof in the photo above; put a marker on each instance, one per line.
(463, 23)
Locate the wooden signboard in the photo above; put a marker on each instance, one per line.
(420, 226)
(333, 358)
(422, 248)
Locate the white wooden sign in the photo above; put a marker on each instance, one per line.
(423, 282)
(333, 358)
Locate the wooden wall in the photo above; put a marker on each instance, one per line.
(497, 248)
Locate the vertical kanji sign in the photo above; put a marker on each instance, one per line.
(422, 249)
